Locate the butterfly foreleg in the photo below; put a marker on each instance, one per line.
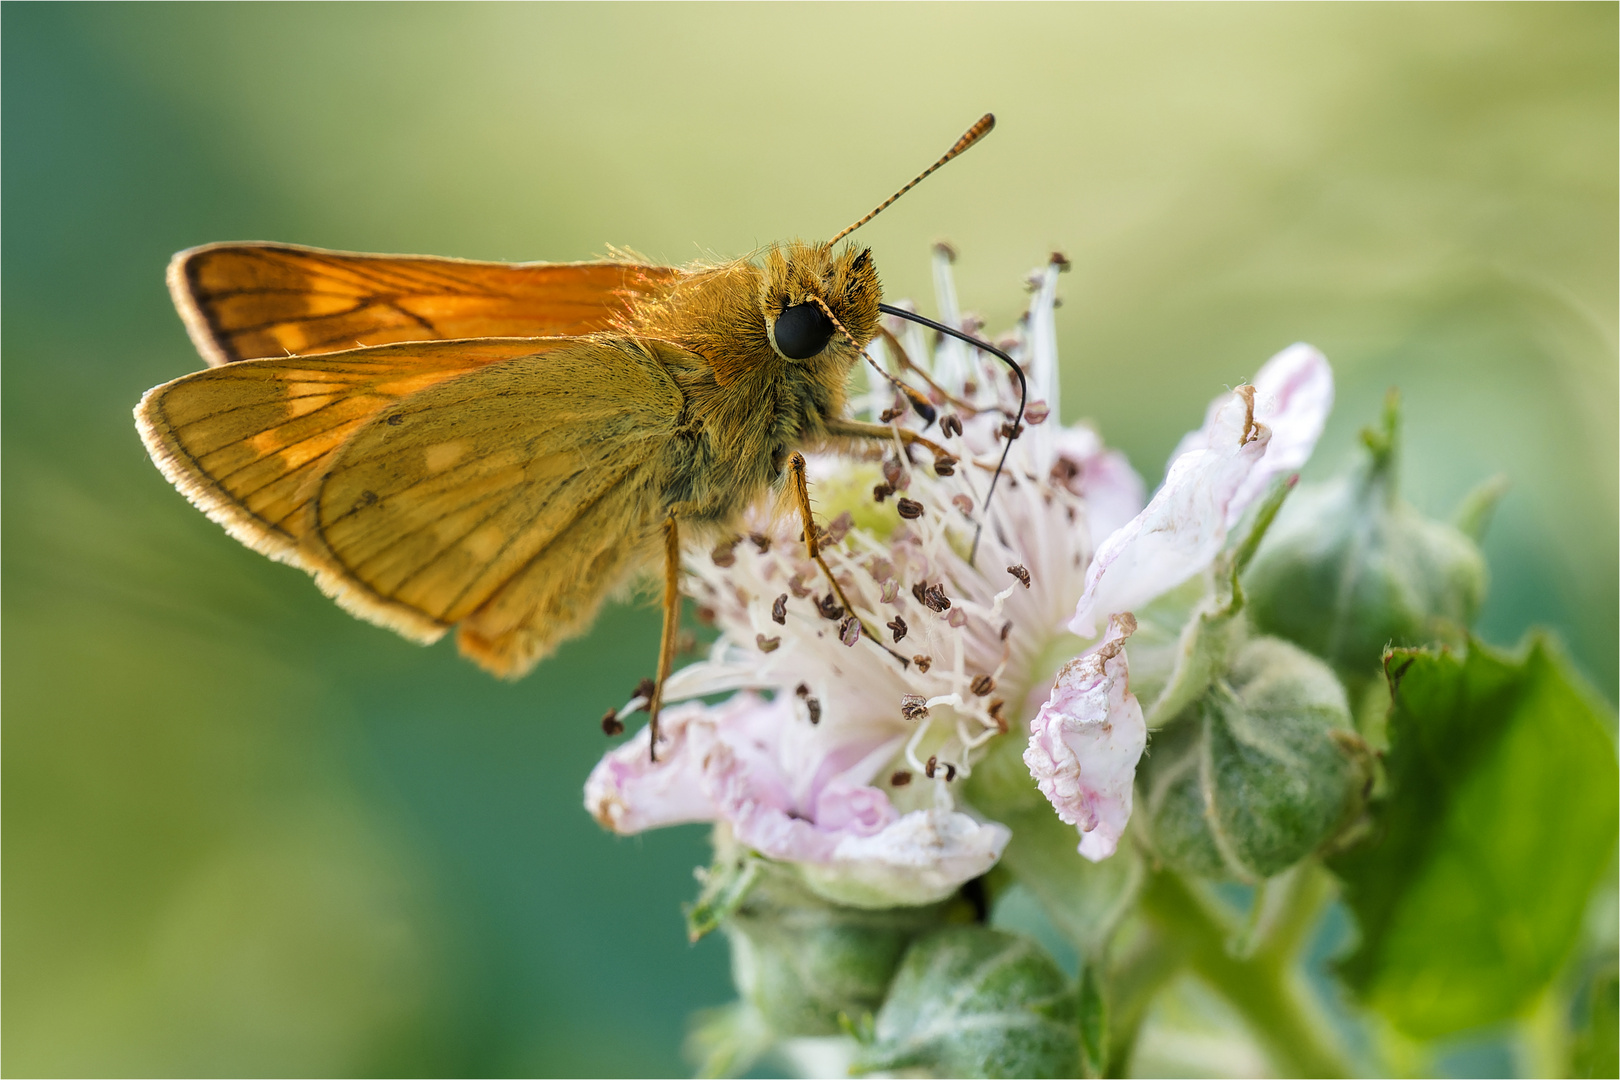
(799, 487)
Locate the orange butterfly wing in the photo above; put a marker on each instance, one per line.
(248, 443)
(242, 301)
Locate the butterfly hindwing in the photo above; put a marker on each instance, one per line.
(244, 301)
(512, 499)
(248, 442)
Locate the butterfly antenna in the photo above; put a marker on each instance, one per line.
(973, 135)
(1012, 430)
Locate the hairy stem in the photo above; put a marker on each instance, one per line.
(1267, 988)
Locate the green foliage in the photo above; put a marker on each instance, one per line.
(1350, 567)
(1093, 1010)
(1501, 815)
(1257, 773)
(968, 1001)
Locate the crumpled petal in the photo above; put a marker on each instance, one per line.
(1218, 472)
(1086, 741)
(1182, 529)
(1293, 394)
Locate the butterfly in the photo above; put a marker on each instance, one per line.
(499, 447)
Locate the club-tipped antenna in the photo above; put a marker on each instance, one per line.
(1012, 430)
(972, 135)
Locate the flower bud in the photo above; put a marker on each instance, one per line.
(801, 962)
(1259, 772)
(1349, 567)
(969, 1001)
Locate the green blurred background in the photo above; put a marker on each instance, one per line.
(247, 834)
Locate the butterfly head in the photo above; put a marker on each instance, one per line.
(819, 302)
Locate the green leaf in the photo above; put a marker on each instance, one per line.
(1500, 818)
(969, 1001)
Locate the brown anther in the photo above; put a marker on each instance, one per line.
(802, 690)
(849, 631)
(892, 472)
(933, 597)
(900, 778)
(963, 503)
(898, 625)
(813, 707)
(889, 414)
(760, 541)
(705, 615)
(830, 608)
(1006, 628)
(909, 509)
(950, 772)
(944, 466)
(923, 663)
(1037, 412)
(996, 705)
(1061, 261)
(644, 690)
(969, 387)
(725, 553)
(1065, 473)
(797, 587)
(779, 610)
(611, 724)
(913, 706)
(950, 424)
(982, 685)
(767, 644)
(1010, 430)
(933, 763)
(1020, 573)
(882, 491)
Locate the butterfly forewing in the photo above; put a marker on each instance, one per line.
(243, 301)
(510, 499)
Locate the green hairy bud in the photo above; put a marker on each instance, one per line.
(805, 965)
(969, 1001)
(1258, 772)
(1350, 567)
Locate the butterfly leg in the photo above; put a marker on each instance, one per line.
(800, 487)
(672, 622)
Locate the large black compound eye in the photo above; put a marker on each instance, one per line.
(802, 331)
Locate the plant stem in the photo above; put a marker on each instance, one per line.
(1267, 989)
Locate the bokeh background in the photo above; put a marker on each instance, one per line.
(247, 834)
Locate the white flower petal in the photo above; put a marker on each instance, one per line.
(1086, 741)
(919, 858)
(1182, 529)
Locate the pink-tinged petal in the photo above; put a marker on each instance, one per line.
(1182, 529)
(1293, 394)
(629, 792)
(1113, 491)
(1086, 741)
(918, 858)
